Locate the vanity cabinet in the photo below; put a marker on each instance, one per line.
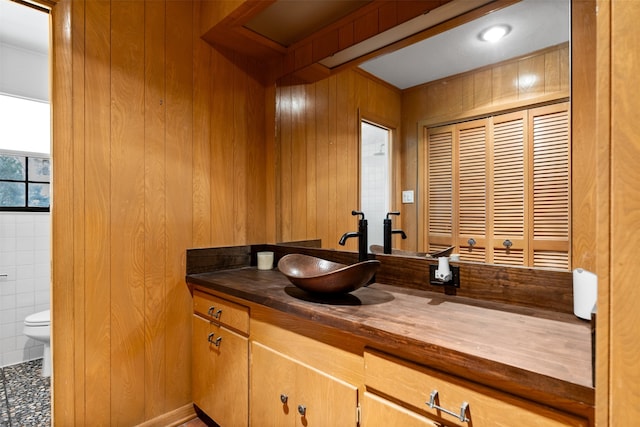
(454, 402)
(287, 392)
(220, 370)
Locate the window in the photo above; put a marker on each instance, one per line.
(25, 166)
(24, 183)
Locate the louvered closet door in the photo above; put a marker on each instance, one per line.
(510, 188)
(473, 227)
(439, 161)
(549, 132)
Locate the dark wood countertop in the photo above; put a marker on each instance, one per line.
(534, 353)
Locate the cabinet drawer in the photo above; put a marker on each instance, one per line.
(413, 385)
(220, 373)
(221, 311)
(377, 411)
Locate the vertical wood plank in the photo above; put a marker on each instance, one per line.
(333, 180)
(127, 212)
(154, 211)
(270, 164)
(179, 211)
(64, 302)
(239, 126)
(96, 210)
(344, 220)
(221, 116)
(504, 77)
(531, 77)
(286, 184)
(321, 103)
(625, 217)
(298, 163)
(202, 222)
(78, 184)
(258, 144)
(310, 113)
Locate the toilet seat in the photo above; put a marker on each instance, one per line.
(42, 318)
(37, 327)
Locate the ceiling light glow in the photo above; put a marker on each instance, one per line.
(494, 33)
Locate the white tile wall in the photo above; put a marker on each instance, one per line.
(25, 259)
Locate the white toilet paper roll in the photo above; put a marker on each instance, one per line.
(443, 265)
(585, 293)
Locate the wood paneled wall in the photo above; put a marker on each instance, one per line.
(318, 153)
(624, 317)
(474, 94)
(158, 146)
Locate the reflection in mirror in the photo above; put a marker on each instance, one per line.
(375, 179)
(493, 140)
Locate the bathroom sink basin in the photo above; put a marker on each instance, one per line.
(318, 275)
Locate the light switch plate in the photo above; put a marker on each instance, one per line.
(407, 196)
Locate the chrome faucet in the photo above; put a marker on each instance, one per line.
(361, 234)
(389, 231)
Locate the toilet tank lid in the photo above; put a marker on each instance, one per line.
(39, 318)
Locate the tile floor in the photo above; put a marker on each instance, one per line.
(25, 396)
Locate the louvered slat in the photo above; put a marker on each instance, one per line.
(552, 259)
(472, 254)
(472, 181)
(440, 183)
(508, 178)
(511, 257)
(551, 177)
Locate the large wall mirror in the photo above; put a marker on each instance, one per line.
(493, 134)
(452, 81)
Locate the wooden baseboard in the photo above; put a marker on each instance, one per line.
(171, 419)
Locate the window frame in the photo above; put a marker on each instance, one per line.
(26, 181)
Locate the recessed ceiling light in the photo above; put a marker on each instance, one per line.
(494, 33)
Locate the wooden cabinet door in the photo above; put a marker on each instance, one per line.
(377, 411)
(285, 392)
(549, 129)
(220, 370)
(439, 185)
(327, 400)
(472, 171)
(510, 188)
(272, 388)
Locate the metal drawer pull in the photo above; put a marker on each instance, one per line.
(302, 410)
(216, 341)
(462, 416)
(471, 241)
(217, 313)
(507, 243)
(284, 398)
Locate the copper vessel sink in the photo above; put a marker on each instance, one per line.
(318, 275)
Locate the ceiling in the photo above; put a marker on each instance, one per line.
(536, 24)
(24, 27)
(288, 21)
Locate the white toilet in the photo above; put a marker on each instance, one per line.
(37, 326)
